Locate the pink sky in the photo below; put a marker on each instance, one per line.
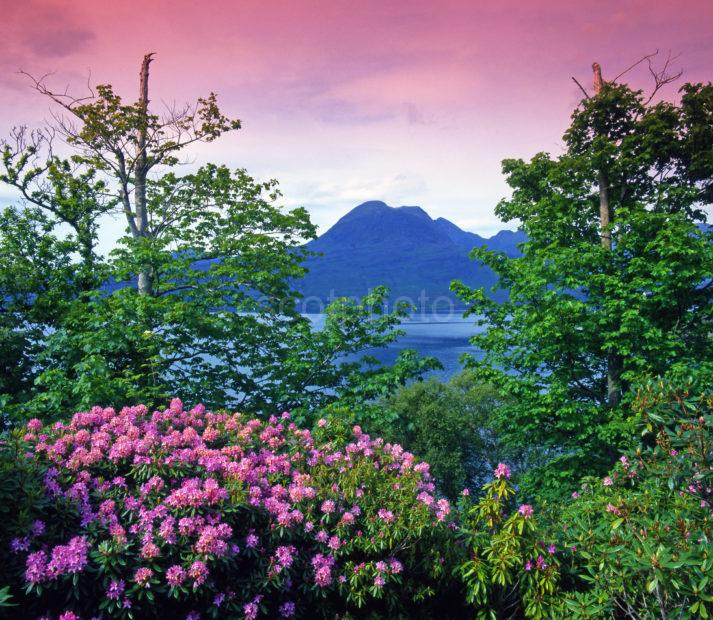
(409, 102)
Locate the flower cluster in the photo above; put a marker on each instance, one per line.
(183, 508)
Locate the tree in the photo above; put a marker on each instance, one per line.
(38, 278)
(615, 278)
(445, 423)
(196, 299)
(121, 142)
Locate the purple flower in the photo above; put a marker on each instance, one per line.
(69, 558)
(250, 610)
(321, 536)
(19, 544)
(328, 506)
(287, 610)
(528, 566)
(36, 567)
(115, 590)
(607, 482)
(551, 549)
(322, 569)
(575, 494)
(284, 555)
(379, 581)
(38, 528)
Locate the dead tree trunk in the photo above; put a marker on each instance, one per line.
(614, 362)
(604, 211)
(140, 173)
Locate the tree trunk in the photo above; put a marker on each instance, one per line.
(614, 361)
(140, 173)
(86, 252)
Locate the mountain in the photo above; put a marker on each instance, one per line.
(400, 247)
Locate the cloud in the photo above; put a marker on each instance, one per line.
(58, 41)
(45, 29)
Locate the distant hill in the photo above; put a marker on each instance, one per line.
(402, 248)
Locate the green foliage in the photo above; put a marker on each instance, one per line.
(643, 534)
(511, 570)
(446, 424)
(38, 285)
(579, 313)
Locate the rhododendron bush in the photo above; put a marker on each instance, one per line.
(644, 532)
(194, 513)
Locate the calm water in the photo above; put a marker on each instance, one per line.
(444, 337)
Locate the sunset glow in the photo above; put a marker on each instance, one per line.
(411, 103)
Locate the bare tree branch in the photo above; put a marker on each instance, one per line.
(586, 94)
(662, 77)
(648, 58)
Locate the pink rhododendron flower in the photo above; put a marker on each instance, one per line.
(385, 515)
(34, 425)
(198, 572)
(613, 509)
(142, 576)
(526, 510)
(176, 575)
(502, 471)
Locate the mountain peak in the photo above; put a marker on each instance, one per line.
(400, 247)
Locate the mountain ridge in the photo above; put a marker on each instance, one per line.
(402, 248)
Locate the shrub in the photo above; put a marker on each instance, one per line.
(448, 425)
(511, 570)
(643, 533)
(191, 512)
